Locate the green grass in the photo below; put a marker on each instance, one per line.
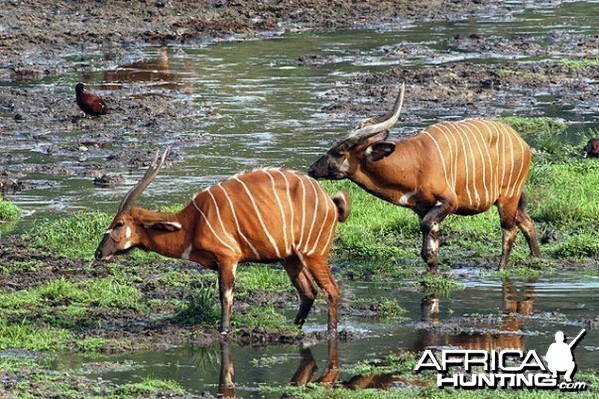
(375, 228)
(583, 62)
(264, 317)
(75, 236)
(9, 212)
(28, 336)
(201, 306)
(508, 72)
(151, 385)
(527, 126)
(565, 193)
(78, 236)
(102, 293)
(270, 277)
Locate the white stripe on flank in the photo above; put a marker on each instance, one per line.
(519, 140)
(301, 240)
(446, 129)
(509, 182)
(466, 135)
(487, 136)
(259, 216)
(451, 158)
(330, 236)
(314, 211)
(327, 199)
(237, 222)
(464, 155)
(274, 190)
(220, 220)
(498, 158)
(482, 156)
(292, 216)
(503, 157)
(193, 201)
(494, 134)
(440, 156)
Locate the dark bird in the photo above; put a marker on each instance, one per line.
(591, 150)
(90, 103)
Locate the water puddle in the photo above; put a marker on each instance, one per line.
(258, 102)
(488, 314)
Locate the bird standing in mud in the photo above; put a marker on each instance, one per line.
(90, 103)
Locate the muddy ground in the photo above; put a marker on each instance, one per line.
(44, 39)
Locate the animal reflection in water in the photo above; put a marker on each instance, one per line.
(307, 371)
(155, 73)
(503, 335)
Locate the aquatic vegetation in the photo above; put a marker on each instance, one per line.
(443, 284)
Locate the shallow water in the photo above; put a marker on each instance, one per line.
(490, 313)
(266, 106)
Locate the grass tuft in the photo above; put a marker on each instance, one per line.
(201, 306)
(75, 236)
(9, 212)
(149, 386)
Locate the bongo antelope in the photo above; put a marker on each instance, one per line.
(460, 167)
(260, 216)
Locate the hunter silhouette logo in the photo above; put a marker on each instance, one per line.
(559, 356)
(507, 368)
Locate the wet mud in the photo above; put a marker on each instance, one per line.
(43, 41)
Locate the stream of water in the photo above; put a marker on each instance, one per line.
(490, 314)
(267, 106)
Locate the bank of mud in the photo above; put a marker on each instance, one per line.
(36, 35)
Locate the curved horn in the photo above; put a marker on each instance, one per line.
(377, 124)
(134, 193)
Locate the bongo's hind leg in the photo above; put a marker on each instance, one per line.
(508, 210)
(319, 269)
(301, 280)
(524, 223)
